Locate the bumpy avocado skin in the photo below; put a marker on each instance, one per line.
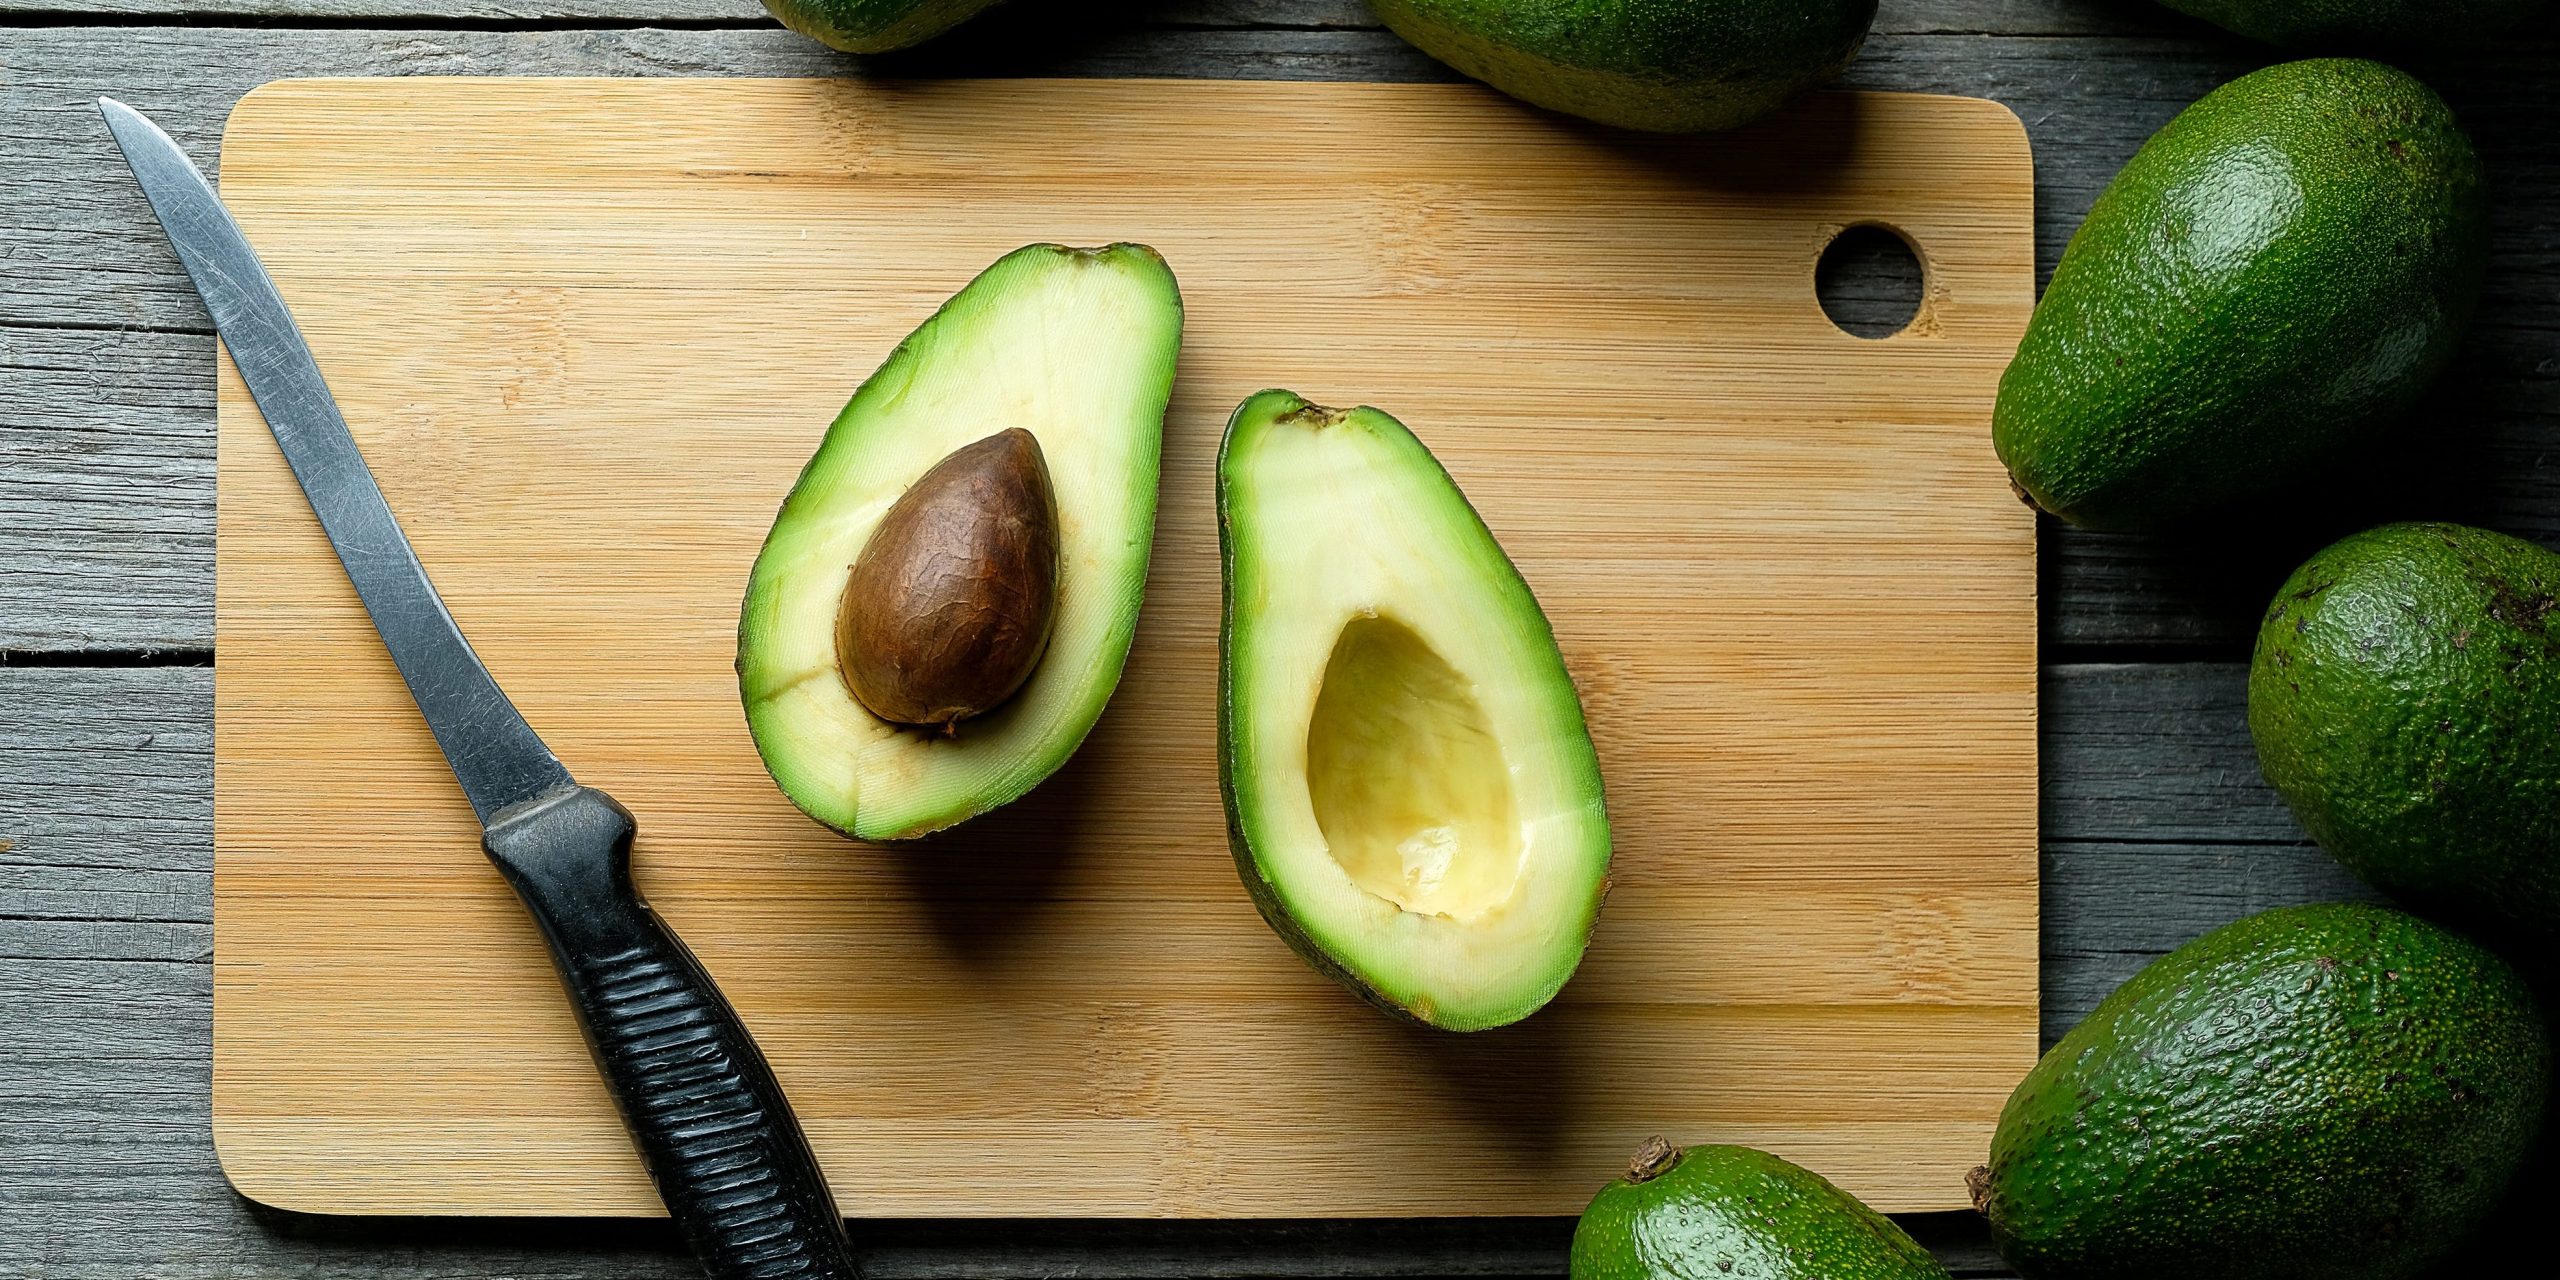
(1670, 66)
(873, 26)
(2405, 699)
(2374, 26)
(1734, 1212)
(2334, 1092)
(2278, 273)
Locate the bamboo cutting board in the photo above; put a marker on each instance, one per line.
(587, 331)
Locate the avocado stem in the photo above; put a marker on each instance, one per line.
(1652, 1160)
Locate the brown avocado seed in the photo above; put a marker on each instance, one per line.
(950, 603)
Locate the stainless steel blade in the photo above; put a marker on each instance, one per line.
(496, 756)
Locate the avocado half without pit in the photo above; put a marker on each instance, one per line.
(1412, 798)
(947, 597)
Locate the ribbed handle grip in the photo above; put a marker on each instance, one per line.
(713, 1127)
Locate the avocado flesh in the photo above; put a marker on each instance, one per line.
(2385, 27)
(1641, 64)
(2274, 277)
(2337, 1092)
(1716, 1211)
(873, 26)
(1412, 797)
(2405, 700)
(1076, 346)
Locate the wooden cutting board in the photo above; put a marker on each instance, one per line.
(587, 331)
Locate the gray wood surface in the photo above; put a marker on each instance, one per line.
(2156, 825)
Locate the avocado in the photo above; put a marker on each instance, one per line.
(1671, 66)
(2276, 275)
(873, 26)
(2338, 1091)
(1412, 798)
(1074, 348)
(1712, 1212)
(2405, 699)
(2373, 26)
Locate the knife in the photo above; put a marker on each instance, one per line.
(711, 1122)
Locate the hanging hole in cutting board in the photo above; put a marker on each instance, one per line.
(1869, 281)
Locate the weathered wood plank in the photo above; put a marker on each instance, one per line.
(2156, 824)
(83, 253)
(2155, 754)
(359, 12)
(106, 850)
(2002, 17)
(2156, 829)
(106, 518)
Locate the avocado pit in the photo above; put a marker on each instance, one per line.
(950, 603)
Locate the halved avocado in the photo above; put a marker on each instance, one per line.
(1412, 798)
(1076, 346)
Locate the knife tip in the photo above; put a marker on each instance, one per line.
(124, 123)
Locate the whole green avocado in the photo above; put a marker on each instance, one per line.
(2381, 26)
(2336, 1092)
(1671, 66)
(1732, 1213)
(2279, 272)
(2405, 699)
(873, 26)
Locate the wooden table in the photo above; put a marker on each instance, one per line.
(2156, 825)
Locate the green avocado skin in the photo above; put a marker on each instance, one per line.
(2277, 274)
(1669, 66)
(1732, 1213)
(873, 26)
(1265, 895)
(2334, 1092)
(2377, 26)
(2405, 699)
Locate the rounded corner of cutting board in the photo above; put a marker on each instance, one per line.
(241, 1150)
(1993, 113)
(266, 106)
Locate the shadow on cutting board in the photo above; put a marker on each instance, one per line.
(985, 883)
(1523, 1082)
(1801, 149)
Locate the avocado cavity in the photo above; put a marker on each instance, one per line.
(1407, 779)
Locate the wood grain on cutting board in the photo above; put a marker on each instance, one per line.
(587, 332)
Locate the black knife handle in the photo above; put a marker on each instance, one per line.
(712, 1124)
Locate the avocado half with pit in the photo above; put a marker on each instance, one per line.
(1033, 400)
(1412, 798)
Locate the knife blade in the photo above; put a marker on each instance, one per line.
(711, 1122)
